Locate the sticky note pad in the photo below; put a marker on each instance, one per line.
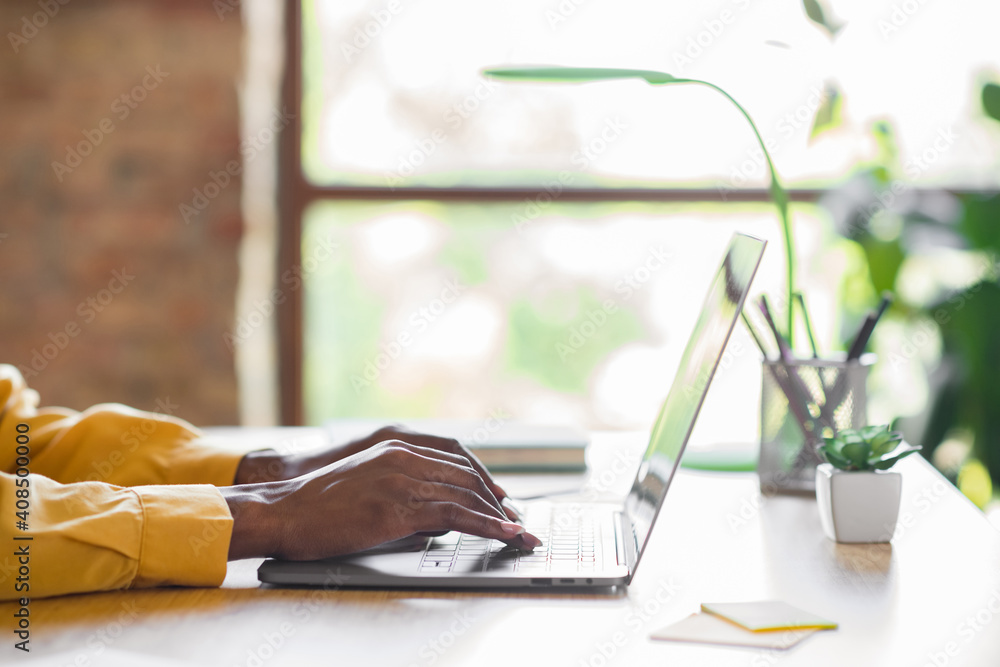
(768, 616)
(710, 629)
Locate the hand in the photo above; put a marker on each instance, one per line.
(268, 465)
(384, 492)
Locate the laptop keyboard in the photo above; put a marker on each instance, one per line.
(571, 542)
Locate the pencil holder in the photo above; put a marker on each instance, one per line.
(802, 402)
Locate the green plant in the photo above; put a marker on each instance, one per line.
(589, 74)
(868, 448)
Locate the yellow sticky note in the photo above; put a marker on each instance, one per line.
(711, 629)
(768, 616)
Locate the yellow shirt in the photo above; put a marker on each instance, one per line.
(116, 498)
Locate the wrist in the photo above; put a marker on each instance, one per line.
(269, 466)
(255, 533)
(262, 466)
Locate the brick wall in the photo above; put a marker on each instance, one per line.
(108, 293)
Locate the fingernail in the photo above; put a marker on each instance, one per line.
(511, 529)
(530, 541)
(509, 508)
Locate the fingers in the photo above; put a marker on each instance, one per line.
(511, 509)
(441, 485)
(441, 466)
(424, 491)
(458, 448)
(439, 515)
(447, 445)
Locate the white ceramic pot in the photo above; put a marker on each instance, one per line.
(858, 506)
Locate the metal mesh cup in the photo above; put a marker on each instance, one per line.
(801, 403)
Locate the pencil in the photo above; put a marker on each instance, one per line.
(865, 333)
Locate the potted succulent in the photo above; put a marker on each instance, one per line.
(858, 495)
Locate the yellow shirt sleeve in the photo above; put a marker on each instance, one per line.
(107, 443)
(88, 531)
(92, 536)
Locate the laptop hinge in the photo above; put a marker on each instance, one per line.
(623, 537)
(627, 543)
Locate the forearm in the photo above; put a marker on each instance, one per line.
(270, 466)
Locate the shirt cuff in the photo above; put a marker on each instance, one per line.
(185, 536)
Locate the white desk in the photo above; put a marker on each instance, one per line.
(935, 590)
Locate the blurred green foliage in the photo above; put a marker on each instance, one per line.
(564, 355)
(893, 223)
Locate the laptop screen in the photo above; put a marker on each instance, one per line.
(700, 359)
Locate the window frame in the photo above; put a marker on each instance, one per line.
(296, 193)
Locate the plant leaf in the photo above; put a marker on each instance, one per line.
(885, 464)
(857, 453)
(851, 438)
(584, 74)
(869, 433)
(835, 459)
(889, 453)
(814, 10)
(828, 116)
(579, 74)
(886, 443)
(991, 100)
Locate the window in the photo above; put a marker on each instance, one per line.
(542, 250)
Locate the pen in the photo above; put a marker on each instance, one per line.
(786, 353)
(865, 333)
(836, 395)
(753, 334)
(805, 318)
(791, 384)
(796, 391)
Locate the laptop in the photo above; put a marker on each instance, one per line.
(590, 544)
